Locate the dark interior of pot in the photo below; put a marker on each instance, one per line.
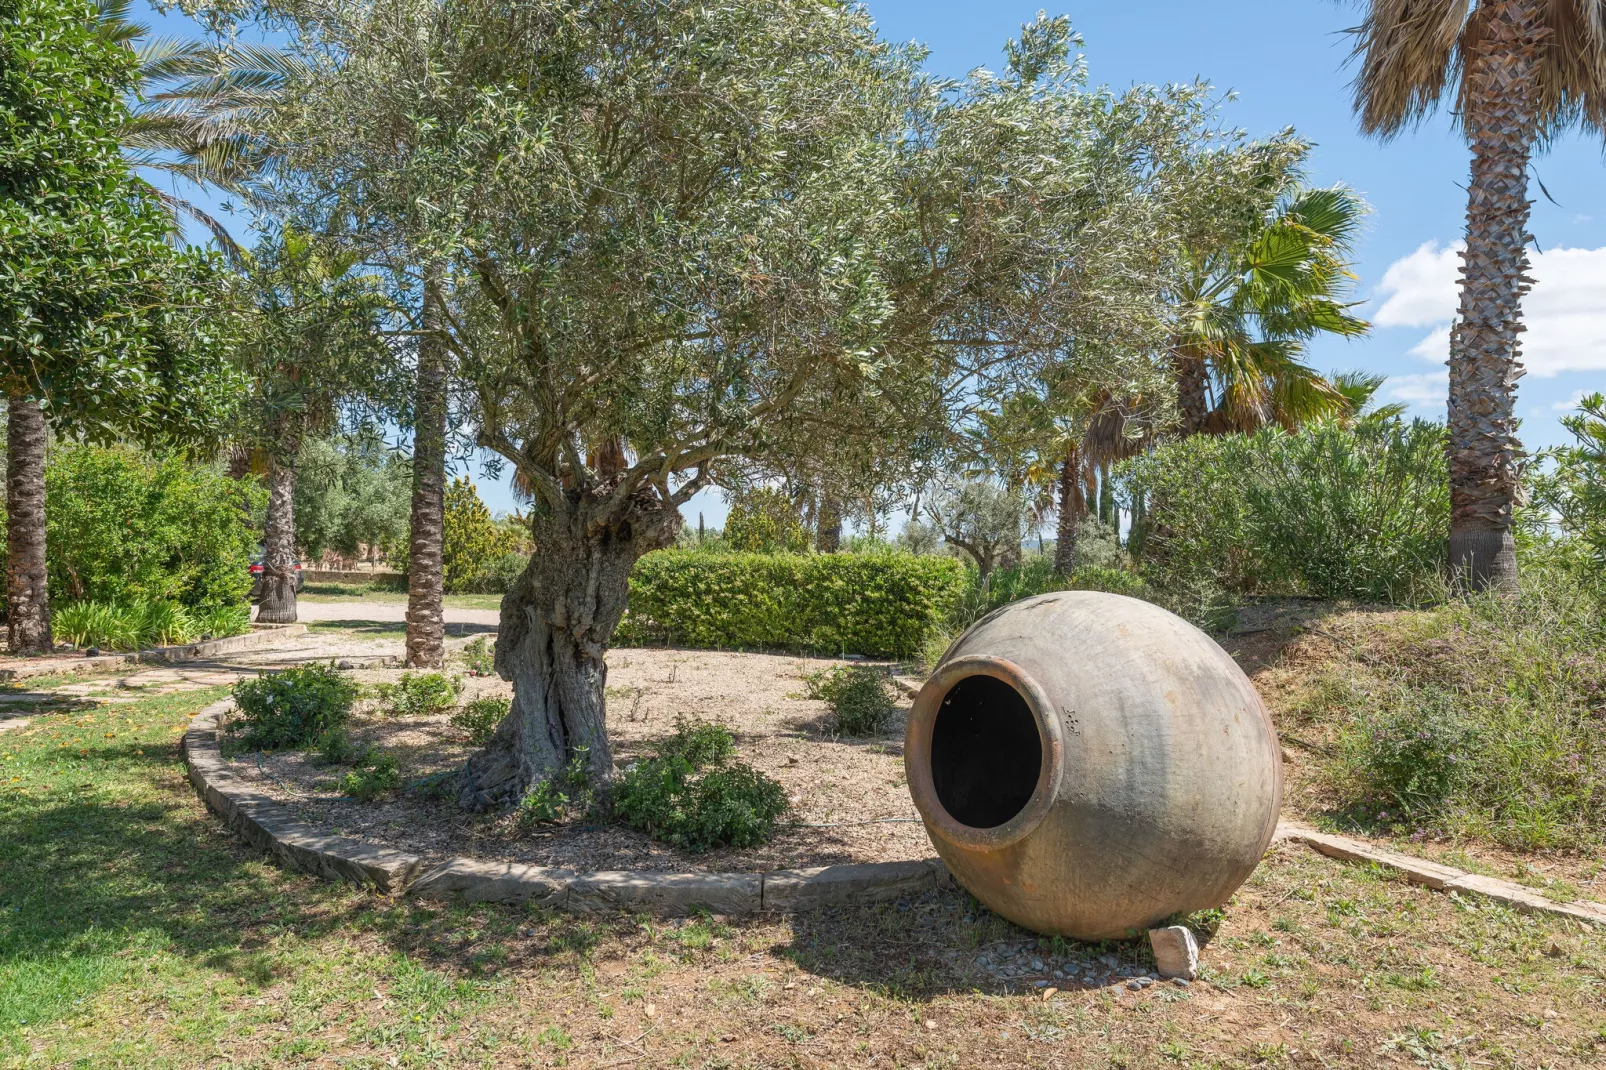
(985, 752)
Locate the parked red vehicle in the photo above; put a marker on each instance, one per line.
(257, 566)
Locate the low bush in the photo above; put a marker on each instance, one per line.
(292, 708)
(880, 605)
(137, 625)
(420, 694)
(124, 527)
(1480, 718)
(477, 720)
(478, 657)
(376, 774)
(713, 802)
(1330, 512)
(559, 797)
(859, 695)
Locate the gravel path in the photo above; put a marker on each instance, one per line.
(387, 612)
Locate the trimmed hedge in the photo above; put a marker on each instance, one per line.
(878, 605)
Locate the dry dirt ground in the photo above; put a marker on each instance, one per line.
(848, 799)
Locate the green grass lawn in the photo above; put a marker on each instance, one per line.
(135, 931)
(347, 592)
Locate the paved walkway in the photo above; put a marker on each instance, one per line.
(389, 612)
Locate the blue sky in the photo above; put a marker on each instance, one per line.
(1285, 62)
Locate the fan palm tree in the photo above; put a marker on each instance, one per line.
(193, 116)
(1522, 71)
(1246, 308)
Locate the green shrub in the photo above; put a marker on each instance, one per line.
(376, 774)
(859, 696)
(699, 743)
(123, 527)
(293, 708)
(1570, 483)
(478, 657)
(474, 545)
(420, 694)
(558, 797)
(1332, 512)
(218, 622)
(477, 720)
(335, 747)
(715, 802)
(763, 520)
(1480, 718)
(138, 625)
(872, 604)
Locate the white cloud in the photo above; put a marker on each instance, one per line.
(1565, 313)
(1430, 389)
(1571, 403)
(1421, 288)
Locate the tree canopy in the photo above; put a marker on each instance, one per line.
(113, 331)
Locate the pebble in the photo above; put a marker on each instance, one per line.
(1181, 982)
(1137, 984)
(1110, 961)
(1037, 964)
(1039, 984)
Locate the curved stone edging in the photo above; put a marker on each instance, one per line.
(297, 845)
(269, 825)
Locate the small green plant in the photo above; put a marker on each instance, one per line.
(135, 625)
(477, 720)
(700, 743)
(335, 747)
(293, 708)
(716, 802)
(478, 657)
(859, 695)
(420, 694)
(218, 622)
(1411, 757)
(376, 773)
(557, 797)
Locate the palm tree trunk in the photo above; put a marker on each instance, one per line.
(27, 594)
(426, 627)
(277, 604)
(1107, 511)
(1501, 112)
(1073, 506)
(1193, 389)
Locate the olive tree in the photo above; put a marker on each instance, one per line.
(681, 238)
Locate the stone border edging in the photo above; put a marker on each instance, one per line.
(210, 648)
(297, 845)
(1440, 877)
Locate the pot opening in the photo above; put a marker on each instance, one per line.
(986, 756)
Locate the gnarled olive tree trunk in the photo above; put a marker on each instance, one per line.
(553, 641)
(27, 597)
(277, 604)
(1501, 109)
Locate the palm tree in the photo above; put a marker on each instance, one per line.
(1359, 390)
(1246, 308)
(1523, 70)
(192, 118)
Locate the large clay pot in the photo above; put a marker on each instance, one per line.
(1089, 764)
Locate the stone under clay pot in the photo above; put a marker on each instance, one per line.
(1089, 764)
